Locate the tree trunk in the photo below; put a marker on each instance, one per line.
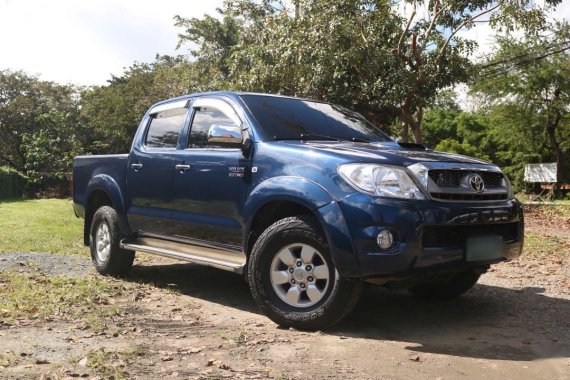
(409, 122)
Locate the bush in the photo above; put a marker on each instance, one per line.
(12, 183)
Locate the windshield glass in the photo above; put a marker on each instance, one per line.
(289, 118)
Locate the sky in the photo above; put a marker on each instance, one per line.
(85, 41)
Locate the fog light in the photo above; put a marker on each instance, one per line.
(385, 239)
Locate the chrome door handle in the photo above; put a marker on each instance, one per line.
(182, 167)
(136, 166)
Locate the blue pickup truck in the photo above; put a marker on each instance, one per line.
(304, 198)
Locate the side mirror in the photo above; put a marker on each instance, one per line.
(225, 134)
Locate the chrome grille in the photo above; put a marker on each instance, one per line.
(452, 178)
(453, 185)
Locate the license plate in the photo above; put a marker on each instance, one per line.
(484, 248)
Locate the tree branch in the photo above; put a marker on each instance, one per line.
(403, 36)
(471, 19)
(436, 12)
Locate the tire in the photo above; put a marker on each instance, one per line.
(104, 238)
(293, 279)
(446, 287)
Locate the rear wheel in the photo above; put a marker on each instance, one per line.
(446, 287)
(293, 279)
(104, 243)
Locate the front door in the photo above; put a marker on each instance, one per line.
(209, 192)
(151, 169)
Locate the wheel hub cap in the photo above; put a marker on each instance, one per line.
(103, 242)
(299, 275)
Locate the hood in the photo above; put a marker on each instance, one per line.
(390, 152)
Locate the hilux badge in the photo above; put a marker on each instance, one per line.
(476, 183)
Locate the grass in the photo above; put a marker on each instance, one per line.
(537, 246)
(39, 297)
(42, 225)
(523, 197)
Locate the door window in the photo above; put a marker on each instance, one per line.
(165, 128)
(204, 119)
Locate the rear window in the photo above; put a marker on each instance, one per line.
(165, 128)
(288, 118)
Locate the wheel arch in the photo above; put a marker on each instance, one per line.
(283, 197)
(103, 190)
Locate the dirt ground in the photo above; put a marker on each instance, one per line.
(187, 321)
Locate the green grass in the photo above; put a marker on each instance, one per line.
(42, 225)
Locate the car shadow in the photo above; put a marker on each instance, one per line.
(489, 322)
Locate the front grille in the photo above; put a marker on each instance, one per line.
(452, 178)
(470, 196)
(456, 236)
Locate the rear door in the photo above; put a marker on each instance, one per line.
(151, 168)
(209, 193)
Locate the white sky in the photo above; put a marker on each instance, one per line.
(84, 41)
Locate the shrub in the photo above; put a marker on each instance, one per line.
(12, 183)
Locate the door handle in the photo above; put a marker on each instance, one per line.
(182, 167)
(136, 166)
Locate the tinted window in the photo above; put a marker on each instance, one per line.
(204, 118)
(284, 118)
(165, 127)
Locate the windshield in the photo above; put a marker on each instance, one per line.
(289, 118)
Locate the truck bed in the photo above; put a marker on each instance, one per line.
(89, 169)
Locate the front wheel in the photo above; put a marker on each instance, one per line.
(293, 279)
(105, 237)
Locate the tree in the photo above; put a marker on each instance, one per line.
(535, 95)
(23, 98)
(360, 53)
(49, 151)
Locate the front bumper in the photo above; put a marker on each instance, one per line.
(430, 235)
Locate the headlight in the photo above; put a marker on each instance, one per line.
(385, 181)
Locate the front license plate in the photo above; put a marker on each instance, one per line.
(484, 248)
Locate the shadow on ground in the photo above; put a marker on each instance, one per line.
(489, 322)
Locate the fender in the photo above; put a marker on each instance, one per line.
(285, 188)
(313, 196)
(107, 184)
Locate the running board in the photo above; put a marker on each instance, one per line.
(229, 261)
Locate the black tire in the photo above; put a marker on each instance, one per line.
(116, 261)
(339, 295)
(446, 287)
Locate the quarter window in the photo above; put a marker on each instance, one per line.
(165, 128)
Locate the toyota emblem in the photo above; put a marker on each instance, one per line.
(476, 183)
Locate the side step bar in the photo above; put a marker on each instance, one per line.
(198, 255)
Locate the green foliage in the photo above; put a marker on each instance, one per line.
(358, 53)
(23, 99)
(49, 152)
(528, 103)
(12, 183)
(454, 146)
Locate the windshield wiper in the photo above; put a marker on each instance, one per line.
(312, 136)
